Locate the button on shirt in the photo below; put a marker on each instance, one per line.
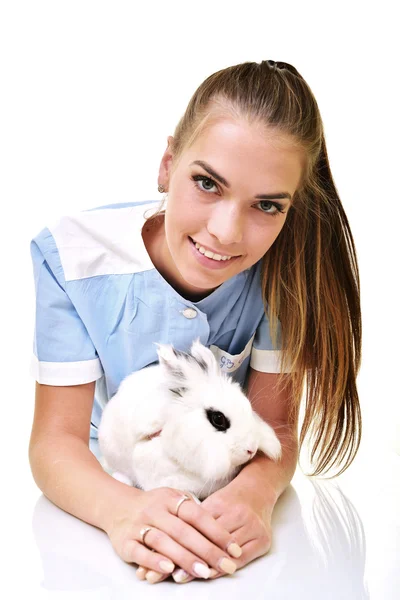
(189, 313)
(101, 307)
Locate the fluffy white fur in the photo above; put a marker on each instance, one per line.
(190, 453)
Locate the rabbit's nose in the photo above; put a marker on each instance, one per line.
(251, 452)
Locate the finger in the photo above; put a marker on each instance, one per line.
(141, 573)
(181, 576)
(206, 524)
(247, 531)
(154, 577)
(151, 576)
(216, 574)
(251, 534)
(188, 548)
(197, 546)
(136, 552)
(252, 550)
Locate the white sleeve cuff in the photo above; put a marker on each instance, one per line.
(266, 361)
(66, 373)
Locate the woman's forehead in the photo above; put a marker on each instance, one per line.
(221, 128)
(233, 146)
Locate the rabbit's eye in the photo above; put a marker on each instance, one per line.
(218, 419)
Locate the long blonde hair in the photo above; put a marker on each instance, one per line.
(310, 274)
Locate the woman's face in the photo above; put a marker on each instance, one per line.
(228, 198)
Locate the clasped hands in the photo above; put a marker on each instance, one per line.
(246, 519)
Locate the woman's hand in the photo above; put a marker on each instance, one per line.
(245, 515)
(193, 541)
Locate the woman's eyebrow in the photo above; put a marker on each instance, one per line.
(210, 171)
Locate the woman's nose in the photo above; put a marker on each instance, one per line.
(226, 225)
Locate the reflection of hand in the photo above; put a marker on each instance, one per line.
(243, 515)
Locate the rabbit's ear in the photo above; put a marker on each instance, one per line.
(204, 357)
(173, 363)
(170, 359)
(268, 440)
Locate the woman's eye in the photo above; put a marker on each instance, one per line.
(204, 183)
(266, 206)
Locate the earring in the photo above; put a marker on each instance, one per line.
(161, 189)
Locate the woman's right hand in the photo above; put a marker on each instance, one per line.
(193, 541)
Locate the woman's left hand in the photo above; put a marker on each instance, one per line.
(244, 514)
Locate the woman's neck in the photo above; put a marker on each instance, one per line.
(153, 235)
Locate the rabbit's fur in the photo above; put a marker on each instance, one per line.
(207, 425)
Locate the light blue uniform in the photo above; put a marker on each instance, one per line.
(101, 305)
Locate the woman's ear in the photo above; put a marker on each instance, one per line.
(166, 165)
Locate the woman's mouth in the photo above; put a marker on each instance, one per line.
(210, 254)
(210, 258)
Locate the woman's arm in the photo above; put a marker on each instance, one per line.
(263, 478)
(62, 464)
(244, 507)
(69, 474)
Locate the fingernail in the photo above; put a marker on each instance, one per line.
(201, 570)
(234, 550)
(227, 566)
(141, 573)
(180, 576)
(153, 576)
(213, 573)
(166, 566)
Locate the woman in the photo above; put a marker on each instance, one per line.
(253, 254)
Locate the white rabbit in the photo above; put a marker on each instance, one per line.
(182, 423)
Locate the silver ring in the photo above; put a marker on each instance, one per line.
(184, 497)
(143, 532)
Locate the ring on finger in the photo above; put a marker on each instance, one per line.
(143, 532)
(182, 499)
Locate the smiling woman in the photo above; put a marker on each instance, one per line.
(235, 218)
(270, 145)
(252, 254)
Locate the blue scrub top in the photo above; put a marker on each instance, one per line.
(101, 305)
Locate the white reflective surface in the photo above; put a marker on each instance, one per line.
(332, 539)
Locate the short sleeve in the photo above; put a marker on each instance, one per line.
(63, 353)
(264, 356)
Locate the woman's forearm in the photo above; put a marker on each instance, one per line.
(71, 477)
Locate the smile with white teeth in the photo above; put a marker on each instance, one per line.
(210, 254)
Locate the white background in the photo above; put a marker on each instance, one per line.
(90, 90)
